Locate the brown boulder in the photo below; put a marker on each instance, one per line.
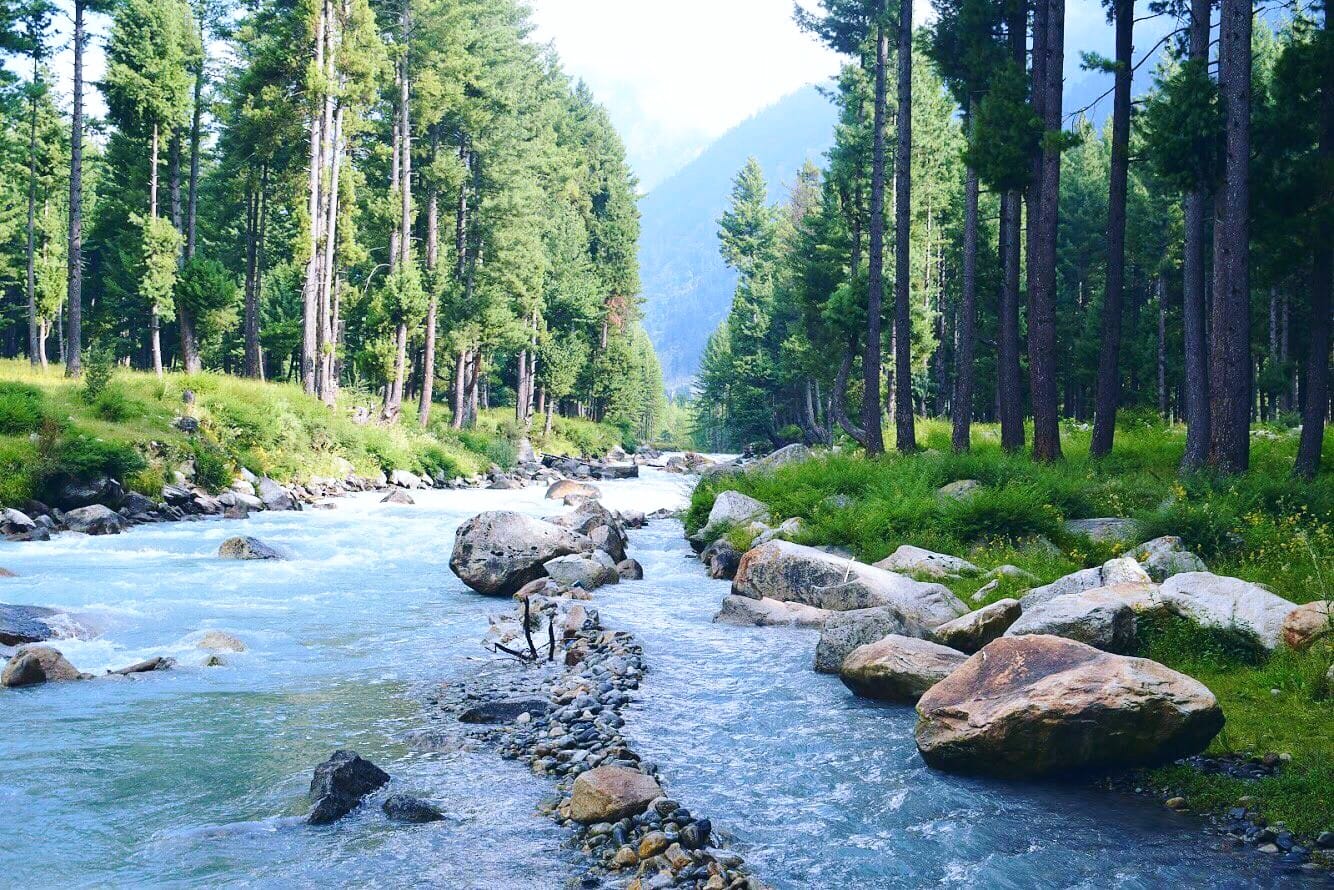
(609, 793)
(1306, 624)
(1040, 705)
(971, 632)
(898, 668)
(569, 488)
(38, 664)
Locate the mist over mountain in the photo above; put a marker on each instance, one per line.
(686, 287)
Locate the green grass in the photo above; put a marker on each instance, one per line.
(1263, 526)
(53, 430)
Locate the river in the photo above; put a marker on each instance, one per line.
(197, 776)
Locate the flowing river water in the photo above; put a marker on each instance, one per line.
(197, 776)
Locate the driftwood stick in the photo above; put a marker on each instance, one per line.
(527, 631)
(522, 656)
(551, 637)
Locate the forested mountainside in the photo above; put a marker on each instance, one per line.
(687, 287)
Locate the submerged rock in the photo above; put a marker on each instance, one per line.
(610, 793)
(498, 552)
(1041, 705)
(404, 808)
(570, 488)
(791, 572)
(26, 624)
(244, 547)
(745, 612)
(398, 496)
(898, 668)
(219, 641)
(157, 663)
(95, 519)
(340, 783)
(38, 664)
(845, 631)
(926, 562)
(971, 632)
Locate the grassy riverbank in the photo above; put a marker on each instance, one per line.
(1265, 527)
(53, 429)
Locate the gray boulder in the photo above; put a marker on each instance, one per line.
(274, 496)
(843, 632)
(398, 496)
(721, 559)
(244, 547)
(582, 570)
(791, 572)
(82, 493)
(498, 552)
(1112, 572)
(1219, 601)
(958, 490)
(746, 612)
(95, 519)
(148, 665)
(1106, 529)
(405, 479)
(917, 560)
(15, 522)
(898, 668)
(971, 632)
(630, 570)
(1164, 557)
(340, 783)
(730, 508)
(611, 539)
(1093, 617)
(788, 454)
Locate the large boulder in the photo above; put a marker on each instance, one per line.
(498, 552)
(38, 664)
(610, 539)
(1303, 626)
(245, 547)
(971, 632)
(1099, 617)
(274, 496)
(1103, 530)
(95, 520)
(791, 572)
(611, 793)
(586, 517)
(406, 479)
(1164, 557)
(340, 783)
(788, 454)
(580, 570)
(898, 668)
(568, 487)
(1041, 705)
(1218, 601)
(919, 561)
(843, 632)
(721, 559)
(85, 492)
(1113, 572)
(630, 570)
(746, 612)
(15, 522)
(26, 624)
(730, 508)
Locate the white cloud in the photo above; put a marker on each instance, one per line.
(674, 76)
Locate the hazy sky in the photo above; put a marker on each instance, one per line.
(675, 76)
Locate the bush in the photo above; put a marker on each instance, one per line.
(20, 409)
(1015, 512)
(1183, 644)
(99, 365)
(18, 461)
(213, 468)
(80, 456)
(112, 404)
(1207, 527)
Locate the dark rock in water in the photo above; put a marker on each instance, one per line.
(630, 570)
(696, 834)
(504, 711)
(136, 505)
(104, 490)
(398, 496)
(38, 664)
(95, 519)
(25, 624)
(722, 559)
(340, 783)
(403, 808)
(243, 547)
(157, 663)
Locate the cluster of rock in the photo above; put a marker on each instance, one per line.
(558, 706)
(1034, 686)
(33, 663)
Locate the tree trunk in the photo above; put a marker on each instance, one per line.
(1163, 406)
(460, 389)
(432, 261)
(1195, 389)
(964, 375)
(1229, 351)
(250, 313)
(874, 438)
(905, 433)
(185, 322)
(840, 397)
(154, 320)
(196, 132)
(33, 345)
(74, 316)
(1042, 302)
(1109, 354)
(1009, 382)
(326, 377)
(311, 289)
(1315, 392)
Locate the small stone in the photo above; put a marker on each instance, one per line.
(404, 808)
(1268, 848)
(1176, 803)
(679, 858)
(625, 857)
(652, 844)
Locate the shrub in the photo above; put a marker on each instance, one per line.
(20, 409)
(1018, 511)
(1206, 526)
(1181, 643)
(99, 366)
(18, 462)
(213, 468)
(80, 456)
(112, 404)
(148, 481)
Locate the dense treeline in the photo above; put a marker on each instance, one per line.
(406, 198)
(1177, 262)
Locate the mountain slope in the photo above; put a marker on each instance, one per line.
(687, 289)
